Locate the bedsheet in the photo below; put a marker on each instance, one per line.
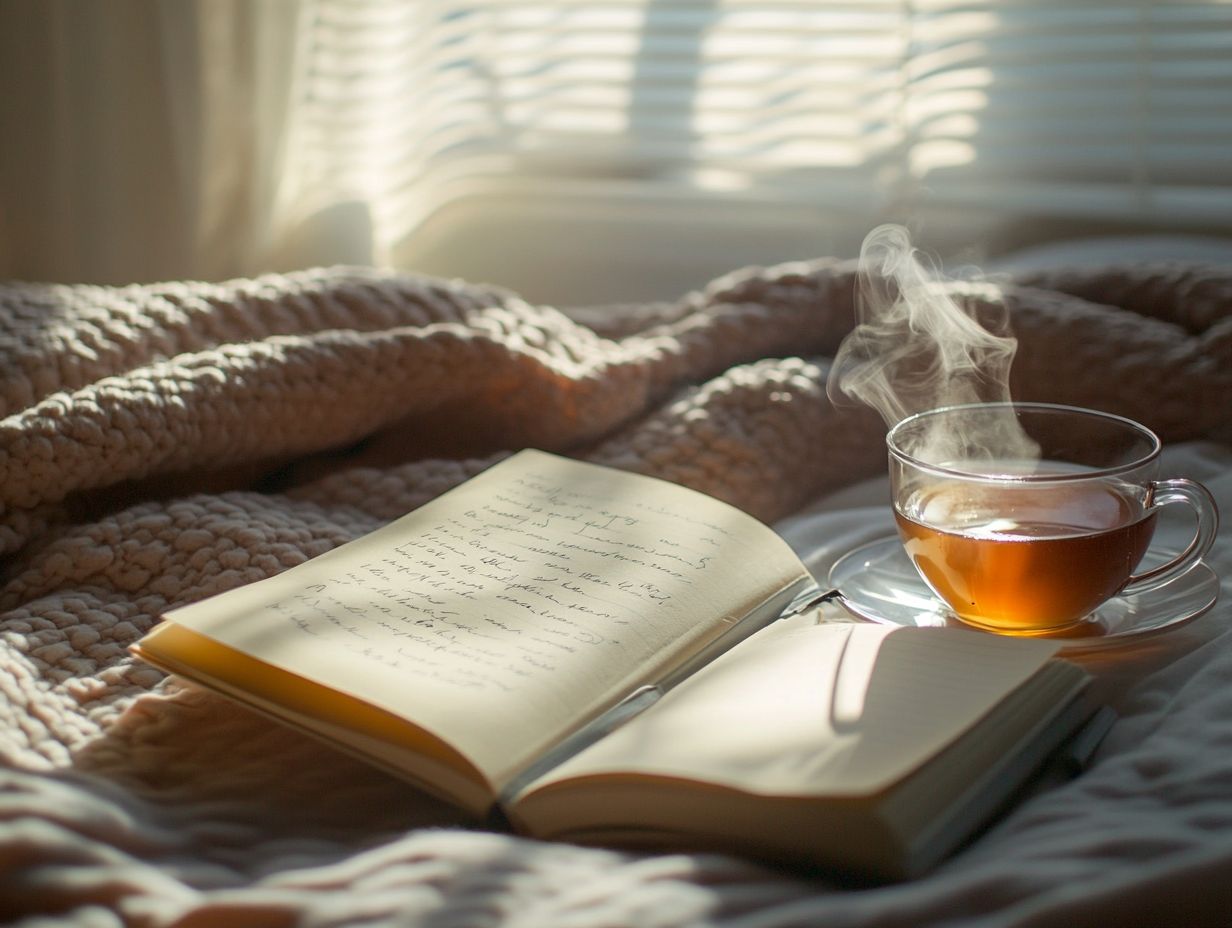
(162, 443)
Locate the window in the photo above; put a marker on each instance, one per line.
(625, 149)
(528, 137)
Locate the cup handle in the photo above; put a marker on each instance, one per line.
(1179, 490)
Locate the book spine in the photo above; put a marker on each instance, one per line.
(632, 705)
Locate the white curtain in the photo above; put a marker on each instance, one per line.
(528, 141)
(142, 140)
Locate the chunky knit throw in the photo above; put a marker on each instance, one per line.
(159, 444)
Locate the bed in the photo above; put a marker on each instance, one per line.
(162, 443)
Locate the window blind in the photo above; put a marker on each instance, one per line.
(1083, 109)
(409, 104)
(981, 114)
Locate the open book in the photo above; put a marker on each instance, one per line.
(506, 645)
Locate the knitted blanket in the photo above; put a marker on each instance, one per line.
(159, 444)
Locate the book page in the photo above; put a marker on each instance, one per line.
(504, 613)
(818, 710)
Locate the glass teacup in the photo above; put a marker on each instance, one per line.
(1026, 517)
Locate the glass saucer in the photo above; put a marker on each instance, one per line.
(877, 582)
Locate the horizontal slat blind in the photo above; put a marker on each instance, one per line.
(1089, 108)
(1110, 109)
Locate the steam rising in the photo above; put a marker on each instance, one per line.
(915, 348)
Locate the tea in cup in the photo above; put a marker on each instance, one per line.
(1026, 517)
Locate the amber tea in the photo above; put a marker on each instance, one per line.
(1020, 559)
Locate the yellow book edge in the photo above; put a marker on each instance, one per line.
(342, 721)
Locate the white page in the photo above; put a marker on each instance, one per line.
(838, 709)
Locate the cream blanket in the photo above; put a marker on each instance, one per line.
(162, 443)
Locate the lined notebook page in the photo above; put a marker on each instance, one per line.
(819, 709)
